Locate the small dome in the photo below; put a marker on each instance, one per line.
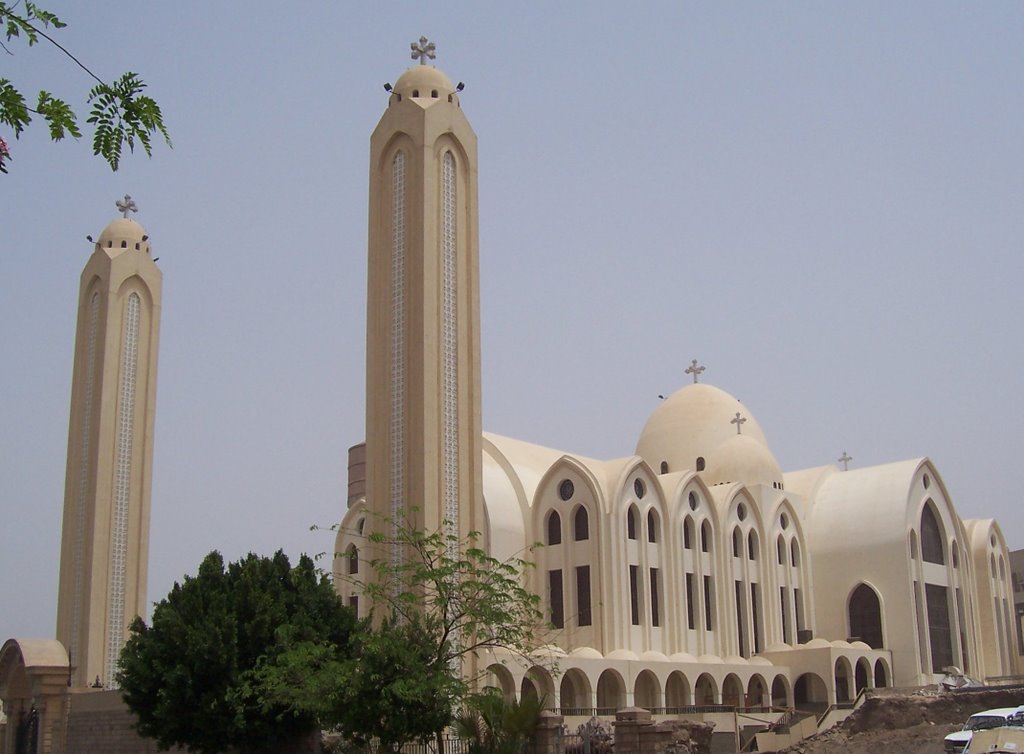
(690, 424)
(422, 81)
(742, 459)
(123, 234)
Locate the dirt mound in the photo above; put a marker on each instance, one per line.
(906, 723)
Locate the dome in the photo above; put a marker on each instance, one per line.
(124, 234)
(743, 459)
(423, 81)
(690, 424)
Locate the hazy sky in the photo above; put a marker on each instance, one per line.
(822, 202)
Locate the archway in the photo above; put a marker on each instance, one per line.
(780, 692)
(543, 686)
(501, 679)
(756, 692)
(574, 693)
(647, 691)
(861, 674)
(677, 692)
(810, 693)
(881, 674)
(732, 691)
(527, 690)
(705, 691)
(611, 693)
(842, 678)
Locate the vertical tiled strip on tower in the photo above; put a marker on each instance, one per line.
(122, 489)
(450, 363)
(397, 428)
(82, 496)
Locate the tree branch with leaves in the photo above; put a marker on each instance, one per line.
(470, 601)
(120, 113)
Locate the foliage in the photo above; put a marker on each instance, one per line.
(386, 691)
(494, 725)
(436, 610)
(196, 677)
(120, 113)
(467, 601)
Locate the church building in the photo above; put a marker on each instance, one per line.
(693, 572)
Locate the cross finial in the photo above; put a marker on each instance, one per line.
(695, 370)
(845, 459)
(739, 421)
(126, 205)
(422, 50)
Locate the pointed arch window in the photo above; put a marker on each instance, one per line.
(780, 550)
(353, 560)
(866, 616)
(554, 528)
(737, 542)
(631, 522)
(794, 553)
(580, 524)
(932, 549)
(688, 533)
(752, 545)
(652, 526)
(705, 537)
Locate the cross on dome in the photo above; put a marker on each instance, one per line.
(126, 205)
(695, 370)
(739, 421)
(422, 50)
(845, 460)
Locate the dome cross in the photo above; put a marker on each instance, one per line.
(845, 459)
(126, 205)
(695, 370)
(739, 421)
(422, 50)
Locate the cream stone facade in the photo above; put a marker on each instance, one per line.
(105, 538)
(694, 572)
(423, 431)
(105, 535)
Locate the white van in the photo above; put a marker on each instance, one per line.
(955, 743)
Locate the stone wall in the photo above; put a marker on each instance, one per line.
(100, 722)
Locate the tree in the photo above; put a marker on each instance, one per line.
(467, 601)
(493, 725)
(458, 601)
(195, 678)
(120, 113)
(387, 691)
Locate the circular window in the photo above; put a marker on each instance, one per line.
(926, 480)
(638, 488)
(565, 489)
(741, 511)
(784, 521)
(694, 502)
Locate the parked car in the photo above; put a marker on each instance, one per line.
(1009, 740)
(956, 743)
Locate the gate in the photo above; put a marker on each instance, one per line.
(26, 740)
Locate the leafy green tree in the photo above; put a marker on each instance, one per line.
(388, 691)
(194, 678)
(467, 601)
(458, 602)
(120, 113)
(493, 725)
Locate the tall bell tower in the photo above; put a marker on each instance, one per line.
(105, 537)
(423, 427)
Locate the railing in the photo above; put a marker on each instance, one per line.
(690, 709)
